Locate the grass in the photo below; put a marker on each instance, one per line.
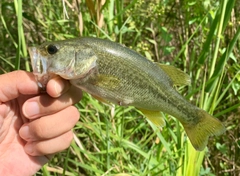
(200, 37)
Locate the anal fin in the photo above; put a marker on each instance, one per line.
(155, 117)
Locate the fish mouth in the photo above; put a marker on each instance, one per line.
(39, 66)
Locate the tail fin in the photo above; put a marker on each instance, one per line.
(200, 132)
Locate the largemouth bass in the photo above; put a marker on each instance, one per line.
(114, 73)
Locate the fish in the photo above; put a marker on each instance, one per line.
(113, 73)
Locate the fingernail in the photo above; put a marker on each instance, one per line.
(31, 109)
(28, 148)
(24, 132)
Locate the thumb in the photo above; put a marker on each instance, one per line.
(15, 83)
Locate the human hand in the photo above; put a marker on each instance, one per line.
(34, 126)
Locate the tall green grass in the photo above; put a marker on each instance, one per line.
(200, 37)
(213, 81)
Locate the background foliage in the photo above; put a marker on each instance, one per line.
(200, 37)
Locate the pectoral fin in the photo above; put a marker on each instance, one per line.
(178, 77)
(155, 117)
(107, 81)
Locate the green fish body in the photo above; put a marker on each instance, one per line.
(114, 73)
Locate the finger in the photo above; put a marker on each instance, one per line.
(50, 126)
(57, 86)
(15, 83)
(44, 104)
(49, 146)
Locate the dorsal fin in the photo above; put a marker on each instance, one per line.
(177, 76)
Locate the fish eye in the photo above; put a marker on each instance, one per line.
(51, 49)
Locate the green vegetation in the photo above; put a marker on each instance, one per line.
(199, 37)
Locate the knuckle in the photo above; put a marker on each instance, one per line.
(67, 138)
(39, 131)
(54, 145)
(74, 113)
(40, 149)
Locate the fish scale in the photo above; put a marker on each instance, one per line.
(114, 73)
(149, 92)
(138, 82)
